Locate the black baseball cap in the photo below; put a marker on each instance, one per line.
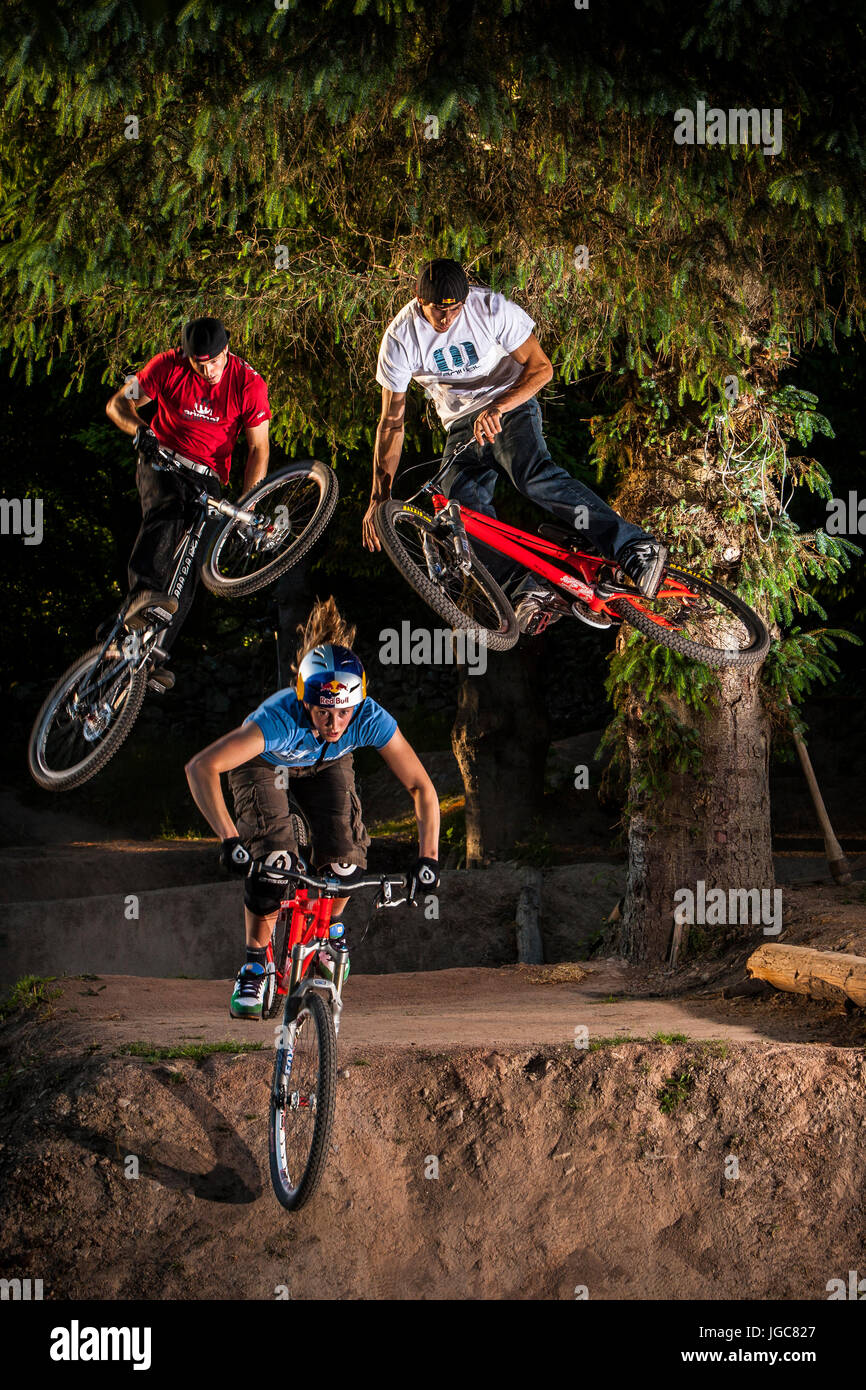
(442, 282)
(204, 338)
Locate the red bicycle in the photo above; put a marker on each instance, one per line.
(307, 972)
(432, 550)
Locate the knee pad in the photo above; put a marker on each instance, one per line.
(267, 882)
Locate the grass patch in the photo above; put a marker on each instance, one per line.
(195, 1051)
(537, 849)
(453, 817)
(669, 1038)
(168, 830)
(676, 1089)
(28, 993)
(598, 1043)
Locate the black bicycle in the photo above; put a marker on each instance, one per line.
(92, 707)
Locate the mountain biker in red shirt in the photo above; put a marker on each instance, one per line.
(476, 356)
(204, 396)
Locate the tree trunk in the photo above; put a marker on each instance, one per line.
(500, 740)
(712, 825)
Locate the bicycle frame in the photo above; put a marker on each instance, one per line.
(138, 647)
(307, 933)
(537, 554)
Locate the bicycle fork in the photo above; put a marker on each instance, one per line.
(459, 540)
(333, 988)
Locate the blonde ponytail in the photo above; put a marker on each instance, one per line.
(325, 624)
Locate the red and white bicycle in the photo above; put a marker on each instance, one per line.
(428, 539)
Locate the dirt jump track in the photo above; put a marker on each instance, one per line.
(703, 1145)
(559, 1169)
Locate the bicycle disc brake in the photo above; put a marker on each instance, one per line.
(273, 533)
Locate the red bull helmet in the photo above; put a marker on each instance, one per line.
(332, 676)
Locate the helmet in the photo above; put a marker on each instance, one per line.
(333, 676)
(204, 338)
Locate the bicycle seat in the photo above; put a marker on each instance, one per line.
(561, 535)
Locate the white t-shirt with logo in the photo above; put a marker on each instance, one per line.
(463, 369)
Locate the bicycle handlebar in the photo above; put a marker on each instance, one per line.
(172, 462)
(330, 883)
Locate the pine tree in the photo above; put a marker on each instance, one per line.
(290, 168)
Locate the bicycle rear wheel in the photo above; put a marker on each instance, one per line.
(303, 1098)
(84, 720)
(710, 624)
(297, 502)
(424, 554)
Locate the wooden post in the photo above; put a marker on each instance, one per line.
(679, 938)
(839, 866)
(530, 948)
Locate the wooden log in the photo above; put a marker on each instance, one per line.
(530, 948)
(802, 970)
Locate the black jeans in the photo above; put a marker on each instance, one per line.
(519, 451)
(168, 508)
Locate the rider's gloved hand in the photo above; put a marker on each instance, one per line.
(423, 875)
(235, 858)
(145, 442)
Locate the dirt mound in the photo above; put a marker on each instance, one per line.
(613, 1169)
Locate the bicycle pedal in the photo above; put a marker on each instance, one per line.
(161, 681)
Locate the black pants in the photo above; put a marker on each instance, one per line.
(520, 453)
(168, 508)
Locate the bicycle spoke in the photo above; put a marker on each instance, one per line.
(298, 1113)
(435, 557)
(66, 743)
(289, 508)
(703, 620)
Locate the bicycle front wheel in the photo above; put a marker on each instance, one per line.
(84, 720)
(303, 1098)
(423, 552)
(296, 503)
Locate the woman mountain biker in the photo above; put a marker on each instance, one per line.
(305, 736)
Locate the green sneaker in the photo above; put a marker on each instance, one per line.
(249, 991)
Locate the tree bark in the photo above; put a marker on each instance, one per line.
(713, 825)
(500, 739)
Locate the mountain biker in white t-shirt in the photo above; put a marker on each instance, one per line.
(479, 361)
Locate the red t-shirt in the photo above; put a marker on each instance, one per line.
(197, 419)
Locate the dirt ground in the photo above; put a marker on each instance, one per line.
(728, 1165)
